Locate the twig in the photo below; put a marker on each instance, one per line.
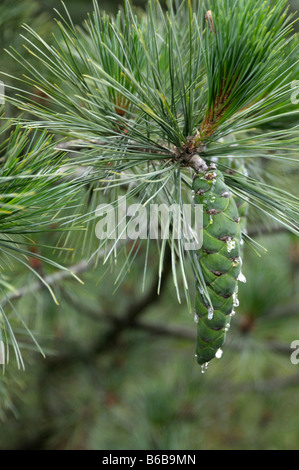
(271, 385)
(134, 310)
(77, 144)
(55, 278)
(157, 329)
(50, 280)
(255, 232)
(119, 324)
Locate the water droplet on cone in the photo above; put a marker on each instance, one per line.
(219, 353)
(241, 278)
(231, 244)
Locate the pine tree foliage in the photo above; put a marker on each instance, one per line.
(33, 194)
(159, 101)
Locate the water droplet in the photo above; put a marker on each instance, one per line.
(241, 241)
(236, 261)
(231, 245)
(211, 219)
(232, 313)
(227, 327)
(235, 300)
(196, 318)
(204, 367)
(241, 278)
(219, 353)
(210, 313)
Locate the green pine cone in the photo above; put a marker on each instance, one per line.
(238, 165)
(220, 261)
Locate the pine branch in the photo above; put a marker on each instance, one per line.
(55, 278)
(270, 386)
(159, 329)
(50, 280)
(119, 324)
(141, 101)
(263, 230)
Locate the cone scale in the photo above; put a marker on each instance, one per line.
(220, 262)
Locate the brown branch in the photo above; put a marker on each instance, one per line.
(157, 329)
(271, 385)
(50, 280)
(53, 279)
(263, 230)
(119, 324)
(287, 311)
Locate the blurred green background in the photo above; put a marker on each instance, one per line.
(106, 385)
